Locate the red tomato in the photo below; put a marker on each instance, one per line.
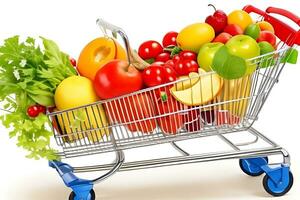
(154, 75)
(41, 109)
(150, 49)
(187, 55)
(172, 122)
(158, 74)
(170, 39)
(33, 111)
(184, 67)
(163, 57)
(73, 62)
(176, 59)
(117, 78)
(133, 110)
(170, 63)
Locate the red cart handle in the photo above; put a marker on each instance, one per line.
(285, 13)
(283, 31)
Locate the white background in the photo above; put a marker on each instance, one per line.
(72, 24)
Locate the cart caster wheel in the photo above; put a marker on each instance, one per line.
(252, 166)
(279, 189)
(92, 195)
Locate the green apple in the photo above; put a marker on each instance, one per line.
(206, 55)
(266, 47)
(253, 31)
(245, 47)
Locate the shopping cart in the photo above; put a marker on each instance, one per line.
(233, 109)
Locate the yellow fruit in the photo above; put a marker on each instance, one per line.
(194, 36)
(265, 26)
(78, 91)
(78, 124)
(97, 53)
(234, 90)
(205, 90)
(74, 91)
(241, 18)
(186, 81)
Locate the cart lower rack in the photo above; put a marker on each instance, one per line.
(227, 107)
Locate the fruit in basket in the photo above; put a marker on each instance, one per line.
(184, 67)
(167, 105)
(265, 48)
(241, 18)
(73, 92)
(78, 91)
(268, 37)
(223, 38)
(233, 29)
(193, 36)
(206, 55)
(206, 89)
(150, 50)
(157, 74)
(253, 31)
(218, 20)
(245, 47)
(187, 55)
(170, 39)
(117, 78)
(163, 57)
(132, 111)
(265, 26)
(97, 53)
(187, 81)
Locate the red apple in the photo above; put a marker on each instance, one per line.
(218, 20)
(233, 29)
(267, 36)
(222, 37)
(117, 78)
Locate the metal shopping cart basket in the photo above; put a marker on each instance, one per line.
(218, 108)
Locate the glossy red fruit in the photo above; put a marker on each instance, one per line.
(170, 39)
(170, 63)
(170, 74)
(33, 111)
(188, 55)
(223, 38)
(73, 62)
(176, 59)
(154, 75)
(218, 20)
(150, 49)
(233, 29)
(267, 36)
(163, 57)
(184, 67)
(41, 109)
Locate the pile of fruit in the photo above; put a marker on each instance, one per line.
(38, 79)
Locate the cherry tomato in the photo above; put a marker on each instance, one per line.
(176, 58)
(188, 55)
(170, 74)
(163, 57)
(150, 49)
(160, 63)
(154, 75)
(170, 63)
(33, 111)
(73, 62)
(184, 67)
(170, 39)
(41, 109)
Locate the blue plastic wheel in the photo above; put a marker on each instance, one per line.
(278, 189)
(92, 196)
(252, 166)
